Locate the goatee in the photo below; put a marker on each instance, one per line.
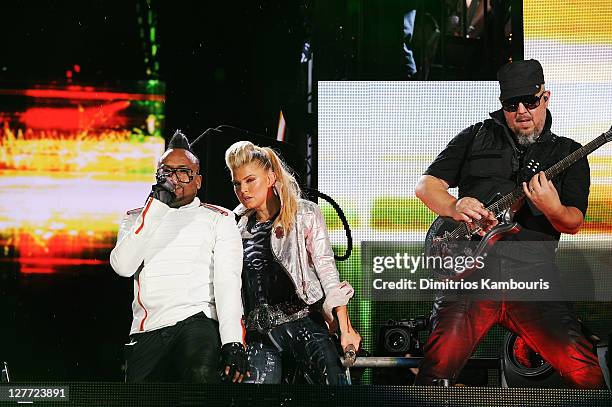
(527, 139)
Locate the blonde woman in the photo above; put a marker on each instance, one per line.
(290, 281)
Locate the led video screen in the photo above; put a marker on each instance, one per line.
(71, 157)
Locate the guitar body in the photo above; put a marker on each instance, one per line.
(442, 240)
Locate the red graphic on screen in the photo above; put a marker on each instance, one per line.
(72, 159)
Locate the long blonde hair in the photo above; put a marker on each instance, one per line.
(244, 152)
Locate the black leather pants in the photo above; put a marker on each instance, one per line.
(549, 328)
(186, 352)
(306, 342)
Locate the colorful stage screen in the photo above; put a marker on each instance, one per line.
(71, 159)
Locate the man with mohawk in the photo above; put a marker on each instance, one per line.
(185, 257)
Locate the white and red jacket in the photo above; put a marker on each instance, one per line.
(184, 261)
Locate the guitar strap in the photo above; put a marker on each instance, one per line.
(479, 130)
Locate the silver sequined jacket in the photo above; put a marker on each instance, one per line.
(305, 253)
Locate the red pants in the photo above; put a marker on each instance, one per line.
(549, 328)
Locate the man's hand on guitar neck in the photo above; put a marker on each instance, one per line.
(544, 195)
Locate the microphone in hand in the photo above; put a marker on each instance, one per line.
(163, 191)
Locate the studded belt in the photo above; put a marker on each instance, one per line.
(265, 317)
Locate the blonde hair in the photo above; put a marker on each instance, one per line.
(244, 152)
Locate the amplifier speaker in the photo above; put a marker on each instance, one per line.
(523, 367)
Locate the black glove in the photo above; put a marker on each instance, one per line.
(163, 191)
(235, 361)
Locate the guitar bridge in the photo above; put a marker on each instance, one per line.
(472, 230)
(507, 216)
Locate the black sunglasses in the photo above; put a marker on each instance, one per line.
(183, 175)
(529, 101)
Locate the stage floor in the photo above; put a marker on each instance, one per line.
(174, 394)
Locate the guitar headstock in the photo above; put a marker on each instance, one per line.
(608, 135)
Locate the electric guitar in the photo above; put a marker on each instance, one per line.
(448, 237)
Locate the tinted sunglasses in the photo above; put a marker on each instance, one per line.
(529, 101)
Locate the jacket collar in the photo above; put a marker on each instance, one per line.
(499, 118)
(193, 204)
(241, 210)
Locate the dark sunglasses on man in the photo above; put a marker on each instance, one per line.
(529, 101)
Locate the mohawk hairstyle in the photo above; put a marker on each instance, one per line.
(179, 140)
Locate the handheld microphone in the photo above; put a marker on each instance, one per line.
(350, 355)
(165, 182)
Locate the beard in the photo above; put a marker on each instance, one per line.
(527, 139)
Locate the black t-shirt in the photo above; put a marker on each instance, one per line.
(572, 185)
(264, 281)
(447, 165)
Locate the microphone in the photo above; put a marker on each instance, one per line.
(165, 182)
(350, 355)
(164, 190)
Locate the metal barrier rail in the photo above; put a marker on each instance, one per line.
(408, 362)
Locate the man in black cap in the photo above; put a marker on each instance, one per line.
(491, 157)
(186, 260)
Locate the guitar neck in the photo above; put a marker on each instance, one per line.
(583, 151)
(515, 195)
